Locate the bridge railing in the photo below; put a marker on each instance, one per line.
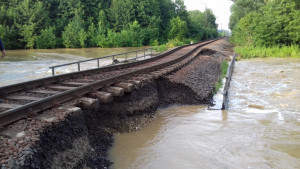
(136, 55)
(227, 83)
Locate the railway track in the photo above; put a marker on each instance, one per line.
(23, 99)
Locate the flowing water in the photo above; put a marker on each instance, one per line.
(261, 129)
(23, 65)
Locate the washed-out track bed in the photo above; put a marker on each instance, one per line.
(102, 84)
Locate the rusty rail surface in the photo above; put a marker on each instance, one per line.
(23, 111)
(227, 83)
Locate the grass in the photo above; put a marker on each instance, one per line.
(246, 52)
(173, 43)
(160, 48)
(219, 84)
(224, 67)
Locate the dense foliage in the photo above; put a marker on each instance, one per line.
(103, 23)
(265, 23)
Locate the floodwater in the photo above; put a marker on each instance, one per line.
(23, 65)
(261, 129)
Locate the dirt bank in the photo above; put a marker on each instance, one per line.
(81, 139)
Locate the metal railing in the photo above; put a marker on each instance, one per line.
(113, 58)
(227, 83)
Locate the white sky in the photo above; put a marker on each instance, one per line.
(220, 8)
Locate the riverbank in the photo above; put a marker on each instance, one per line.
(245, 52)
(81, 139)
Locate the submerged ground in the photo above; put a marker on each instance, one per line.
(261, 129)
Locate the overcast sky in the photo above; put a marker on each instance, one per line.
(221, 9)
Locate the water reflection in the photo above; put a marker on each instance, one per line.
(260, 130)
(224, 116)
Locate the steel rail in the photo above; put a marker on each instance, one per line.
(15, 114)
(5, 90)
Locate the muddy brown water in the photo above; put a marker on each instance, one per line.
(261, 129)
(24, 65)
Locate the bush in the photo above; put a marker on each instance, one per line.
(178, 29)
(131, 37)
(248, 52)
(74, 35)
(46, 39)
(189, 40)
(174, 42)
(160, 48)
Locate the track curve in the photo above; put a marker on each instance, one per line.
(31, 97)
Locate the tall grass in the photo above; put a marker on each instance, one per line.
(224, 67)
(160, 48)
(219, 84)
(173, 43)
(246, 52)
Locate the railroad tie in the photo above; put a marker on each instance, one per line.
(12, 132)
(157, 74)
(103, 97)
(46, 118)
(75, 111)
(43, 91)
(115, 91)
(88, 103)
(9, 106)
(145, 78)
(74, 84)
(60, 88)
(128, 87)
(28, 98)
(137, 83)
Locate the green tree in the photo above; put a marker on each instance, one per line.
(122, 13)
(46, 39)
(197, 24)
(241, 8)
(92, 36)
(86, 23)
(210, 19)
(178, 29)
(136, 34)
(74, 34)
(30, 20)
(275, 24)
(82, 37)
(27, 31)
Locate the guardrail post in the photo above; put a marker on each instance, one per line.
(78, 66)
(53, 73)
(113, 59)
(98, 63)
(136, 54)
(144, 54)
(126, 56)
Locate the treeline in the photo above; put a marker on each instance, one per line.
(100, 23)
(265, 23)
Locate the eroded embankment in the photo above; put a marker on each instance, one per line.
(82, 139)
